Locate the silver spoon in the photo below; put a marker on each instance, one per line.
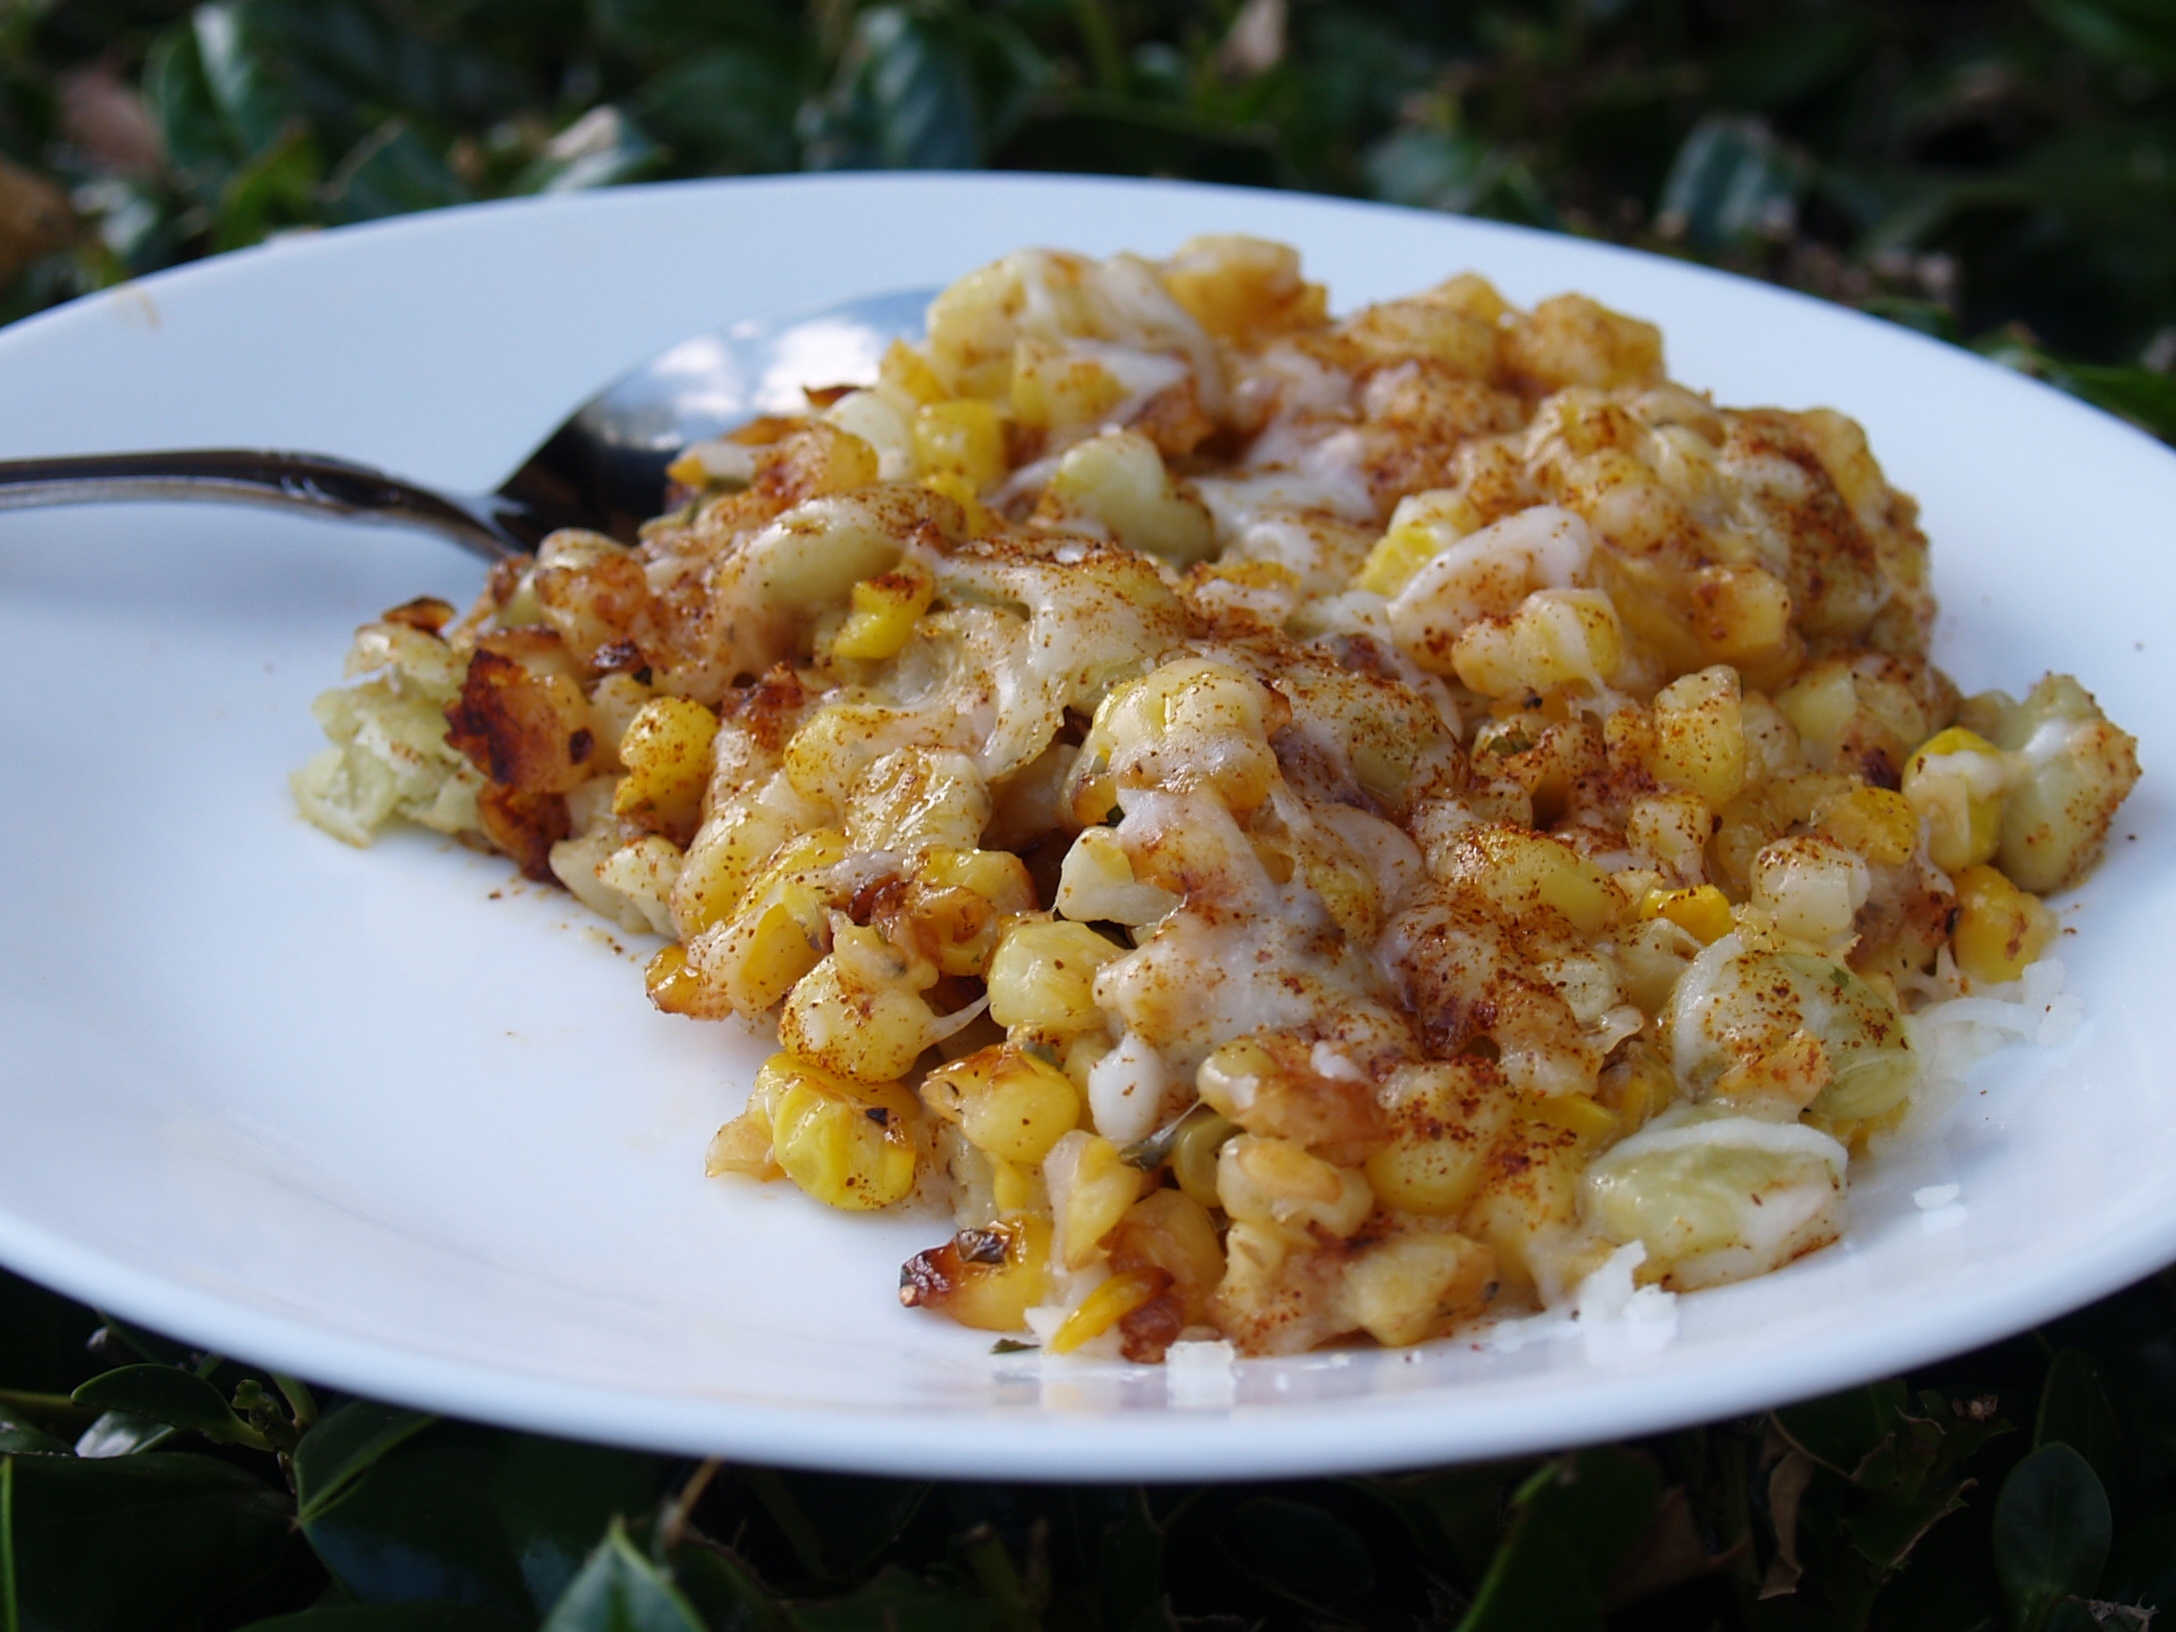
(603, 468)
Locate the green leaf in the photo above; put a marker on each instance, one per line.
(390, 172)
(619, 1590)
(343, 1446)
(476, 1516)
(138, 1542)
(2051, 1533)
(1573, 1523)
(180, 1399)
(2123, 32)
(383, 1618)
(1300, 1550)
(27, 1439)
(897, 1601)
(1840, 1431)
(2074, 1411)
(726, 109)
(1731, 183)
(904, 100)
(254, 106)
(2142, 1566)
(1451, 170)
(122, 1433)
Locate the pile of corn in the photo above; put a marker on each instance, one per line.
(1291, 827)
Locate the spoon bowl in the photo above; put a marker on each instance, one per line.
(603, 468)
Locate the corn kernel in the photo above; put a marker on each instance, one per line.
(914, 798)
(1811, 887)
(1042, 977)
(979, 520)
(1173, 1232)
(1106, 1306)
(965, 439)
(882, 612)
(1703, 912)
(840, 1015)
(670, 982)
(1092, 1186)
(1558, 637)
(1877, 823)
(1405, 1289)
(1194, 1154)
(987, 1278)
(1520, 870)
(1397, 555)
(767, 953)
(666, 749)
(1118, 481)
(1273, 1181)
(2000, 928)
(903, 371)
(850, 1145)
(1955, 780)
(727, 856)
(1577, 1114)
(1009, 1103)
(1700, 735)
(1011, 1188)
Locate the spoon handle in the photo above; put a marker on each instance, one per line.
(306, 481)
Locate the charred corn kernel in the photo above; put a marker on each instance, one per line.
(1955, 780)
(1042, 978)
(987, 1278)
(1700, 735)
(1520, 870)
(850, 1145)
(1875, 822)
(1194, 1155)
(666, 749)
(1811, 887)
(1010, 1103)
(964, 439)
(902, 371)
(670, 982)
(1557, 637)
(1092, 1186)
(1273, 1181)
(882, 612)
(1106, 1306)
(998, 876)
(1703, 912)
(2000, 928)
(1577, 1114)
(845, 1018)
(1172, 1231)
(979, 519)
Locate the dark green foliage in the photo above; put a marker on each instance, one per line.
(2001, 173)
(1911, 1505)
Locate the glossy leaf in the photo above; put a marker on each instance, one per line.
(343, 1446)
(1574, 1522)
(2051, 1533)
(21, 1437)
(618, 1590)
(180, 1399)
(2074, 1411)
(122, 1433)
(138, 1542)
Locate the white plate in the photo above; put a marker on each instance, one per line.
(391, 1122)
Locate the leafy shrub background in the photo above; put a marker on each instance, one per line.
(2000, 174)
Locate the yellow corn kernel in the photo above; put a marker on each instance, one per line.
(1094, 1186)
(1172, 1231)
(1009, 1103)
(1558, 637)
(1106, 1306)
(1012, 1188)
(1700, 735)
(1397, 555)
(1810, 887)
(850, 1145)
(1702, 912)
(1520, 870)
(1955, 780)
(1274, 1181)
(987, 1278)
(964, 439)
(914, 798)
(903, 371)
(998, 876)
(980, 521)
(882, 612)
(773, 949)
(1741, 614)
(1577, 1114)
(1875, 822)
(1407, 1288)
(666, 749)
(1042, 978)
(2000, 928)
(670, 982)
(809, 852)
(843, 1015)
(727, 856)
(743, 1146)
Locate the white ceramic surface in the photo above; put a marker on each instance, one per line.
(394, 1122)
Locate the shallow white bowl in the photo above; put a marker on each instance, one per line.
(396, 1123)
